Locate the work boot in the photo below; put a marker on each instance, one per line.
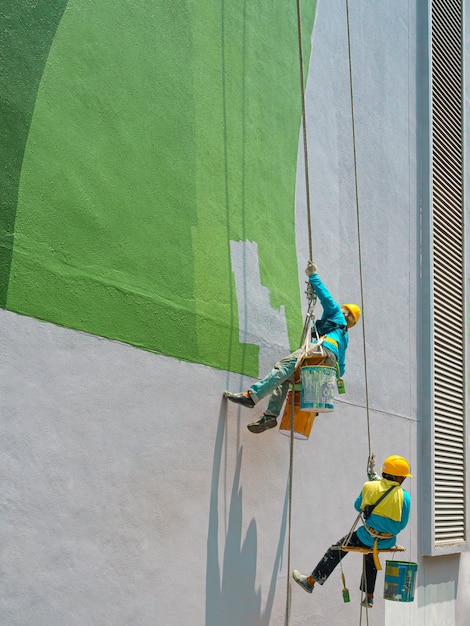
(368, 602)
(301, 579)
(263, 423)
(240, 398)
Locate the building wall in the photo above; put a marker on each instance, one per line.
(157, 201)
(157, 132)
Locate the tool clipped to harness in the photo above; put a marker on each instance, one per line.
(345, 590)
(340, 384)
(346, 597)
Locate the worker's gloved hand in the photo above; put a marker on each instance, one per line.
(311, 268)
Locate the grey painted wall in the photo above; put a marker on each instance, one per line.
(131, 492)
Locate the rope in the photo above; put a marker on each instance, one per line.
(364, 592)
(304, 130)
(291, 475)
(358, 222)
(358, 225)
(312, 299)
(353, 527)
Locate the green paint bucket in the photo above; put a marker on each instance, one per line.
(400, 581)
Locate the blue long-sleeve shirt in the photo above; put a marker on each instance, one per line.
(391, 514)
(332, 311)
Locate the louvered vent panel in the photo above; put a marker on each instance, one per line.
(448, 272)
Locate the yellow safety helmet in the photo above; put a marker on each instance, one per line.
(354, 310)
(396, 465)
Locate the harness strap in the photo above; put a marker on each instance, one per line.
(377, 534)
(375, 555)
(375, 550)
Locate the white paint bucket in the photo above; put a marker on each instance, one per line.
(318, 388)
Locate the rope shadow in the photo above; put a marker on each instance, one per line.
(231, 595)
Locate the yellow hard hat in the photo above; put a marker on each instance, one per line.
(396, 465)
(354, 310)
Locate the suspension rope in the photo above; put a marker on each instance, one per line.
(311, 296)
(291, 475)
(304, 130)
(364, 593)
(358, 225)
(358, 222)
(311, 304)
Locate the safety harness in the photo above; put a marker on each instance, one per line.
(323, 327)
(375, 534)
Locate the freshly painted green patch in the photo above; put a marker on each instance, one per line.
(162, 131)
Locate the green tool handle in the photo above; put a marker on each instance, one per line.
(346, 597)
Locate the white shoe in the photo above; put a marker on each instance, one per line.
(301, 579)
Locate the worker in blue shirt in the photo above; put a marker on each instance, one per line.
(329, 350)
(381, 526)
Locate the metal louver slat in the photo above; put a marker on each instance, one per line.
(452, 516)
(451, 523)
(450, 413)
(453, 472)
(456, 266)
(446, 435)
(450, 329)
(449, 495)
(446, 197)
(453, 353)
(447, 348)
(446, 139)
(447, 404)
(450, 138)
(448, 274)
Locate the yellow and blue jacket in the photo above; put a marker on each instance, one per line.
(336, 340)
(389, 516)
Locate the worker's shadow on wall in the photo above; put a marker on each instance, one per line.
(231, 597)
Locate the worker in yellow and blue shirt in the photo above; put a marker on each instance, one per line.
(332, 328)
(381, 525)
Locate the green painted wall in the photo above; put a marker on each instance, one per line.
(161, 131)
(26, 33)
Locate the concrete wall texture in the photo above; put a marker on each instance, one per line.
(153, 240)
